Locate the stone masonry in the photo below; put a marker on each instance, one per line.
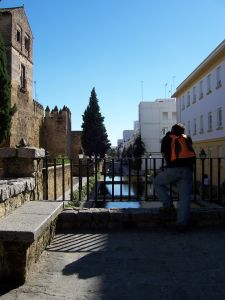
(41, 128)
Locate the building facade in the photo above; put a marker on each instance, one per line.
(200, 102)
(155, 119)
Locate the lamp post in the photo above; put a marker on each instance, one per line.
(150, 157)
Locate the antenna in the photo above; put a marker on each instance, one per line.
(173, 82)
(165, 89)
(142, 91)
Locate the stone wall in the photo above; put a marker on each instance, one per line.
(22, 178)
(27, 122)
(57, 132)
(15, 192)
(75, 143)
(19, 258)
(136, 218)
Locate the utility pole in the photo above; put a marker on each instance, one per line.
(165, 89)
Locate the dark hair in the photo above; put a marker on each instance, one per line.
(178, 129)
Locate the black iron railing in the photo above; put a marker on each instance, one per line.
(122, 180)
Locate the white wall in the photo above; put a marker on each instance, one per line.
(155, 118)
(209, 103)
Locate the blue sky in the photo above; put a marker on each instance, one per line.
(127, 49)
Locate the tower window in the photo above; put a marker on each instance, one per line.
(23, 78)
(27, 43)
(18, 34)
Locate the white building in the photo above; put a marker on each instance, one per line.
(127, 135)
(200, 100)
(155, 119)
(201, 106)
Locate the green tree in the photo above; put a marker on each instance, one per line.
(6, 111)
(94, 137)
(138, 151)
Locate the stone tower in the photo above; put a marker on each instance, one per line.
(57, 132)
(18, 39)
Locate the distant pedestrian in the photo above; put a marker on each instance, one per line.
(180, 157)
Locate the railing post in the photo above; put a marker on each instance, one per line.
(195, 181)
(63, 179)
(121, 178)
(96, 178)
(55, 191)
(88, 164)
(46, 175)
(210, 178)
(129, 177)
(218, 183)
(202, 183)
(146, 178)
(154, 175)
(80, 178)
(104, 179)
(112, 179)
(71, 179)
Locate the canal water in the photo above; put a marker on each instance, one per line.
(122, 191)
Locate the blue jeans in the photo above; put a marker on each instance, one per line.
(183, 178)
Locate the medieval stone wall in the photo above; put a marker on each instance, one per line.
(28, 120)
(45, 129)
(75, 143)
(57, 132)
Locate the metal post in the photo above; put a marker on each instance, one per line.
(218, 183)
(71, 179)
(46, 174)
(55, 191)
(63, 179)
(79, 180)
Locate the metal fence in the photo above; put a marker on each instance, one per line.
(101, 180)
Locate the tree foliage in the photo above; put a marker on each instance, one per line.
(138, 147)
(94, 137)
(138, 152)
(6, 111)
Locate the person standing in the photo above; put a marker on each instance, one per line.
(177, 150)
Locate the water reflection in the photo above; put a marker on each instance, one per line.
(122, 204)
(122, 189)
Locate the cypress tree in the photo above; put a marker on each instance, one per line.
(138, 151)
(6, 111)
(94, 137)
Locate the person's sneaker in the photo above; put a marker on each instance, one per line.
(167, 209)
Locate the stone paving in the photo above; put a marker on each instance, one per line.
(130, 264)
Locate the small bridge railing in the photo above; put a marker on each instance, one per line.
(129, 180)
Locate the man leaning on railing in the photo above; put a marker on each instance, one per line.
(180, 157)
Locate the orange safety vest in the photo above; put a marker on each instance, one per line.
(181, 147)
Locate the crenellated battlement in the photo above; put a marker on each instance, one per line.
(57, 132)
(38, 108)
(57, 113)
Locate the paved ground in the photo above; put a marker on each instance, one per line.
(129, 265)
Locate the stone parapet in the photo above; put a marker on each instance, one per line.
(24, 234)
(98, 218)
(21, 162)
(12, 187)
(21, 174)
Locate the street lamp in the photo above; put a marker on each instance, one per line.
(202, 154)
(150, 156)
